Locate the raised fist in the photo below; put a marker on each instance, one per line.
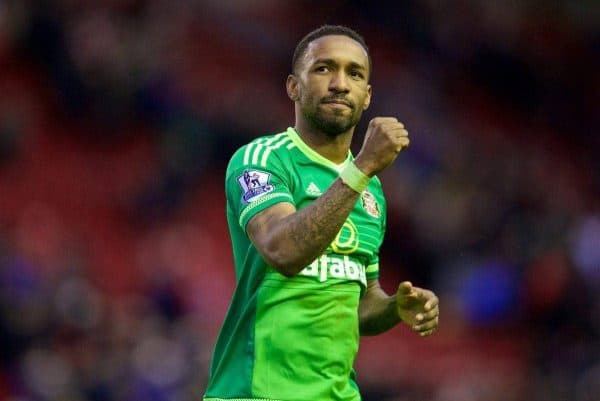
(385, 138)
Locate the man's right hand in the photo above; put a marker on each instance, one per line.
(384, 140)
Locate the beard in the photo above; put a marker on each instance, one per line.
(332, 123)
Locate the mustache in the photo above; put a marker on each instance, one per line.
(338, 99)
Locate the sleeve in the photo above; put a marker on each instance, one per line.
(372, 269)
(252, 188)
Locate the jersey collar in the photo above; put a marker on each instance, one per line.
(314, 156)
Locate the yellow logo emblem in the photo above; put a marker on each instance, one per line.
(346, 241)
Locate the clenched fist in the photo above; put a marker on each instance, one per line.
(385, 138)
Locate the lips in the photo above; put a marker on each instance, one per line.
(338, 101)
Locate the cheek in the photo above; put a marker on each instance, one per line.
(315, 87)
(307, 97)
(364, 100)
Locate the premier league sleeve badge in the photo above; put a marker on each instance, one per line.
(254, 184)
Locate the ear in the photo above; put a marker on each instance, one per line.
(367, 101)
(291, 86)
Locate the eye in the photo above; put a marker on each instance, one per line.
(322, 68)
(356, 74)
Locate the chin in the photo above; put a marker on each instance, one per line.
(334, 129)
(332, 126)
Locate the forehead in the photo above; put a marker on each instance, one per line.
(340, 48)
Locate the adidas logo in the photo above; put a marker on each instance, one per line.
(312, 189)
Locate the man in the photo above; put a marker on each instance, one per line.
(306, 232)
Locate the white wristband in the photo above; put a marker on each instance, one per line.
(354, 178)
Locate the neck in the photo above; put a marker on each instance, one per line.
(332, 148)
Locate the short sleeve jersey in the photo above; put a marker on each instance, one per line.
(293, 338)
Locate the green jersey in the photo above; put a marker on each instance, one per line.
(293, 338)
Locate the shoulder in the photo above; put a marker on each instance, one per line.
(375, 187)
(376, 181)
(263, 152)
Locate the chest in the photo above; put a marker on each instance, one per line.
(363, 230)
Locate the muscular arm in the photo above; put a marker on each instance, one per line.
(289, 239)
(377, 311)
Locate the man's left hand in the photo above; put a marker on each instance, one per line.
(418, 308)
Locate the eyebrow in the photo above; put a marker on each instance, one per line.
(332, 62)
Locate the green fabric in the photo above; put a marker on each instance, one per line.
(293, 338)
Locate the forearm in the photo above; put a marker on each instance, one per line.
(377, 313)
(301, 237)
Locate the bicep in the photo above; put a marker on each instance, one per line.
(261, 226)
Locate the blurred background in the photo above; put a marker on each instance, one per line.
(117, 119)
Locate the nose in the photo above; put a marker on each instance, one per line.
(339, 82)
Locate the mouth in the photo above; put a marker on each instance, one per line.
(339, 102)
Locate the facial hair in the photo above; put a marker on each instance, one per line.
(332, 124)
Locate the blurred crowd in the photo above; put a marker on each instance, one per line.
(117, 119)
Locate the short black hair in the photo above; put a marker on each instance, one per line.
(327, 30)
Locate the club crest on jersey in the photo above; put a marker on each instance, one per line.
(255, 184)
(369, 203)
